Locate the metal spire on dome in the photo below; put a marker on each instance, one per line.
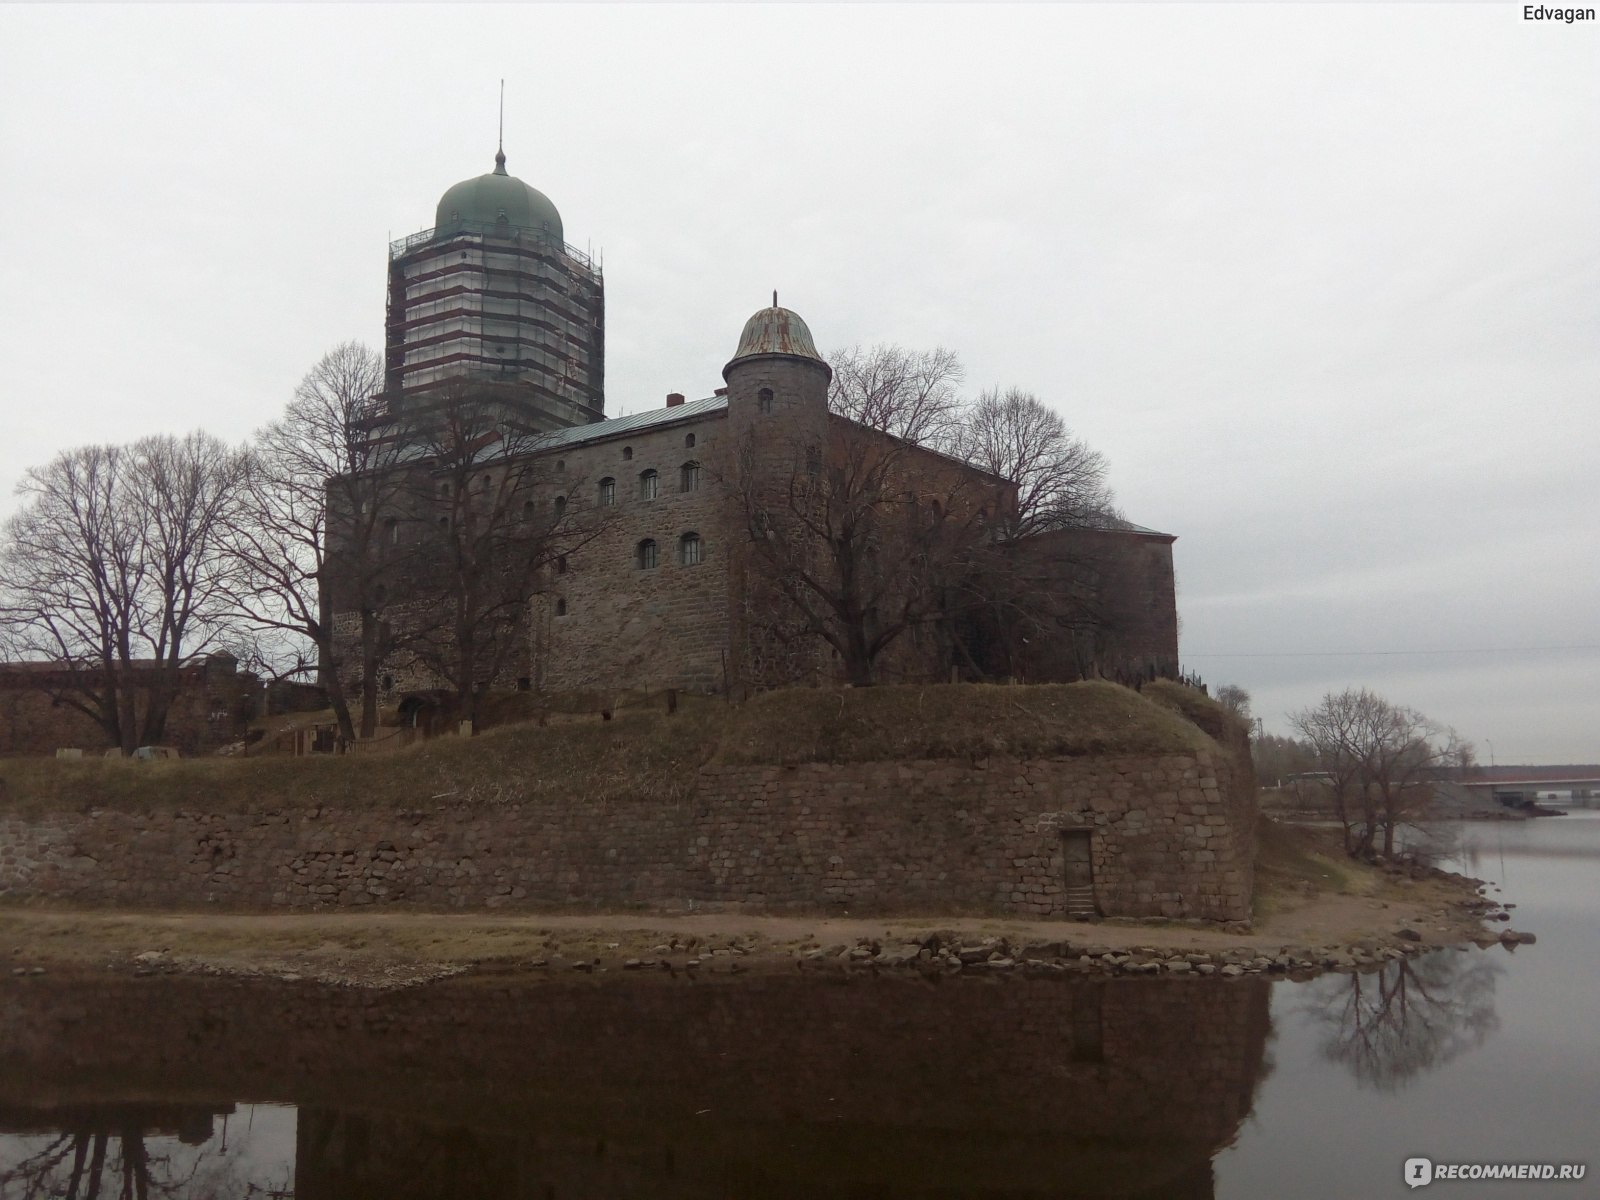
(500, 146)
(774, 297)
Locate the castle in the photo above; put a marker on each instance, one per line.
(515, 537)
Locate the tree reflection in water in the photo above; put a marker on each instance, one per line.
(1391, 1025)
(105, 1154)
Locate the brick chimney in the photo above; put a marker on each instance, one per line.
(674, 399)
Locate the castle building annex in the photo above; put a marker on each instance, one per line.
(531, 543)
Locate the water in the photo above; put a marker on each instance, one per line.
(791, 1086)
(1501, 1063)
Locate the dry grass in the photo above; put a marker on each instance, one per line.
(641, 755)
(1202, 710)
(969, 721)
(1294, 861)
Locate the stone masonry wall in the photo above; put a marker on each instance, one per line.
(1170, 836)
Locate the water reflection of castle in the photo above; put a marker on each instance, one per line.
(776, 1086)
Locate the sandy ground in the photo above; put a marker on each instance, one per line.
(399, 948)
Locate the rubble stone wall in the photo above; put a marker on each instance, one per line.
(1171, 836)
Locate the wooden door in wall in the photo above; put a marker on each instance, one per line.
(1078, 869)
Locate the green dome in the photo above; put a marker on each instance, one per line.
(486, 201)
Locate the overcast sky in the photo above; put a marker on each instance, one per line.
(1322, 281)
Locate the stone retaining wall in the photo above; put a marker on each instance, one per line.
(1171, 836)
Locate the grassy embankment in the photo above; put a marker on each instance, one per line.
(1307, 892)
(644, 754)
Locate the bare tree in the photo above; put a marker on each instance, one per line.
(868, 538)
(1277, 756)
(112, 569)
(504, 515)
(320, 481)
(1381, 760)
(909, 394)
(1060, 480)
(186, 492)
(1236, 700)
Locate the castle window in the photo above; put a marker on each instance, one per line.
(388, 683)
(764, 399)
(561, 565)
(391, 529)
(444, 524)
(647, 555)
(561, 506)
(561, 607)
(689, 477)
(483, 483)
(561, 464)
(527, 511)
(627, 452)
(691, 550)
(813, 461)
(688, 440)
(444, 489)
(608, 492)
(649, 485)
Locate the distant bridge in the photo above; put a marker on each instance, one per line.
(1518, 789)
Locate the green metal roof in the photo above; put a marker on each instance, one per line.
(474, 204)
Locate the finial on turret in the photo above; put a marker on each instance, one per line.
(500, 145)
(774, 297)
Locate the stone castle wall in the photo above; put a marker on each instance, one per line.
(211, 706)
(1171, 836)
(627, 626)
(598, 619)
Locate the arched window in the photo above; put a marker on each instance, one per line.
(561, 506)
(608, 492)
(627, 452)
(689, 477)
(527, 511)
(649, 485)
(813, 461)
(391, 531)
(561, 607)
(691, 550)
(647, 554)
(764, 399)
(483, 482)
(561, 565)
(688, 440)
(561, 464)
(444, 489)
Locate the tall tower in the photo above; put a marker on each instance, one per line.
(777, 442)
(492, 295)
